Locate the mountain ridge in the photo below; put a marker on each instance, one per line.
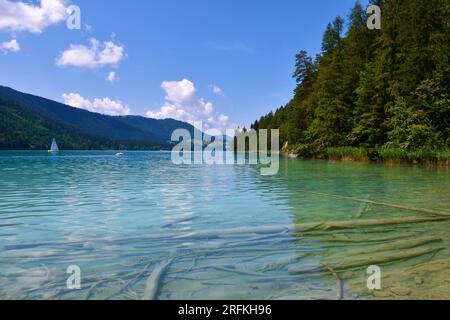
(82, 129)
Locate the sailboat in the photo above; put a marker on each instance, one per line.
(54, 148)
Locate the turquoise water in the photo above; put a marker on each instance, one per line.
(119, 218)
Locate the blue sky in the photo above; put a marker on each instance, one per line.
(228, 61)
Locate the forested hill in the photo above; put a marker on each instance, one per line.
(29, 122)
(387, 88)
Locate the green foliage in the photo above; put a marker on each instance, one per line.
(332, 36)
(304, 67)
(385, 154)
(409, 128)
(385, 89)
(23, 129)
(304, 151)
(421, 156)
(350, 153)
(30, 122)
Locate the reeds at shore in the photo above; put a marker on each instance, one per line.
(424, 156)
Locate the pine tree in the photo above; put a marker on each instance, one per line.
(374, 88)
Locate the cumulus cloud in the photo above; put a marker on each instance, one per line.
(181, 103)
(216, 89)
(18, 16)
(112, 77)
(95, 56)
(10, 46)
(178, 91)
(103, 105)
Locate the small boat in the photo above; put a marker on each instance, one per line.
(119, 154)
(54, 148)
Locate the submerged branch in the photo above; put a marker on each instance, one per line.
(368, 259)
(339, 281)
(381, 203)
(396, 245)
(368, 223)
(152, 287)
(311, 227)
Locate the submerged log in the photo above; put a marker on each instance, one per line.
(381, 203)
(152, 287)
(311, 227)
(235, 232)
(346, 240)
(367, 260)
(384, 258)
(396, 245)
(333, 225)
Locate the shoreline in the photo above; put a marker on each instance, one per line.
(389, 163)
(444, 164)
(363, 157)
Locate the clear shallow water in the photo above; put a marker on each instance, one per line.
(119, 218)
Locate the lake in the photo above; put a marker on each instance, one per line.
(139, 226)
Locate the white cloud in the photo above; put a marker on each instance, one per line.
(10, 46)
(95, 56)
(112, 77)
(223, 118)
(216, 89)
(103, 105)
(178, 91)
(181, 103)
(18, 16)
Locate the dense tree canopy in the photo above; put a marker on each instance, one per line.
(374, 88)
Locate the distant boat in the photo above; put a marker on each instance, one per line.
(54, 148)
(119, 154)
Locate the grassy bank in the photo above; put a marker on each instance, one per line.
(425, 156)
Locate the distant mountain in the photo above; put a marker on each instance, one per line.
(30, 122)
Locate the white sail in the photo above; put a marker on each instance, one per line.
(54, 147)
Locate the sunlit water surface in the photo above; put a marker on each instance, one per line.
(121, 218)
